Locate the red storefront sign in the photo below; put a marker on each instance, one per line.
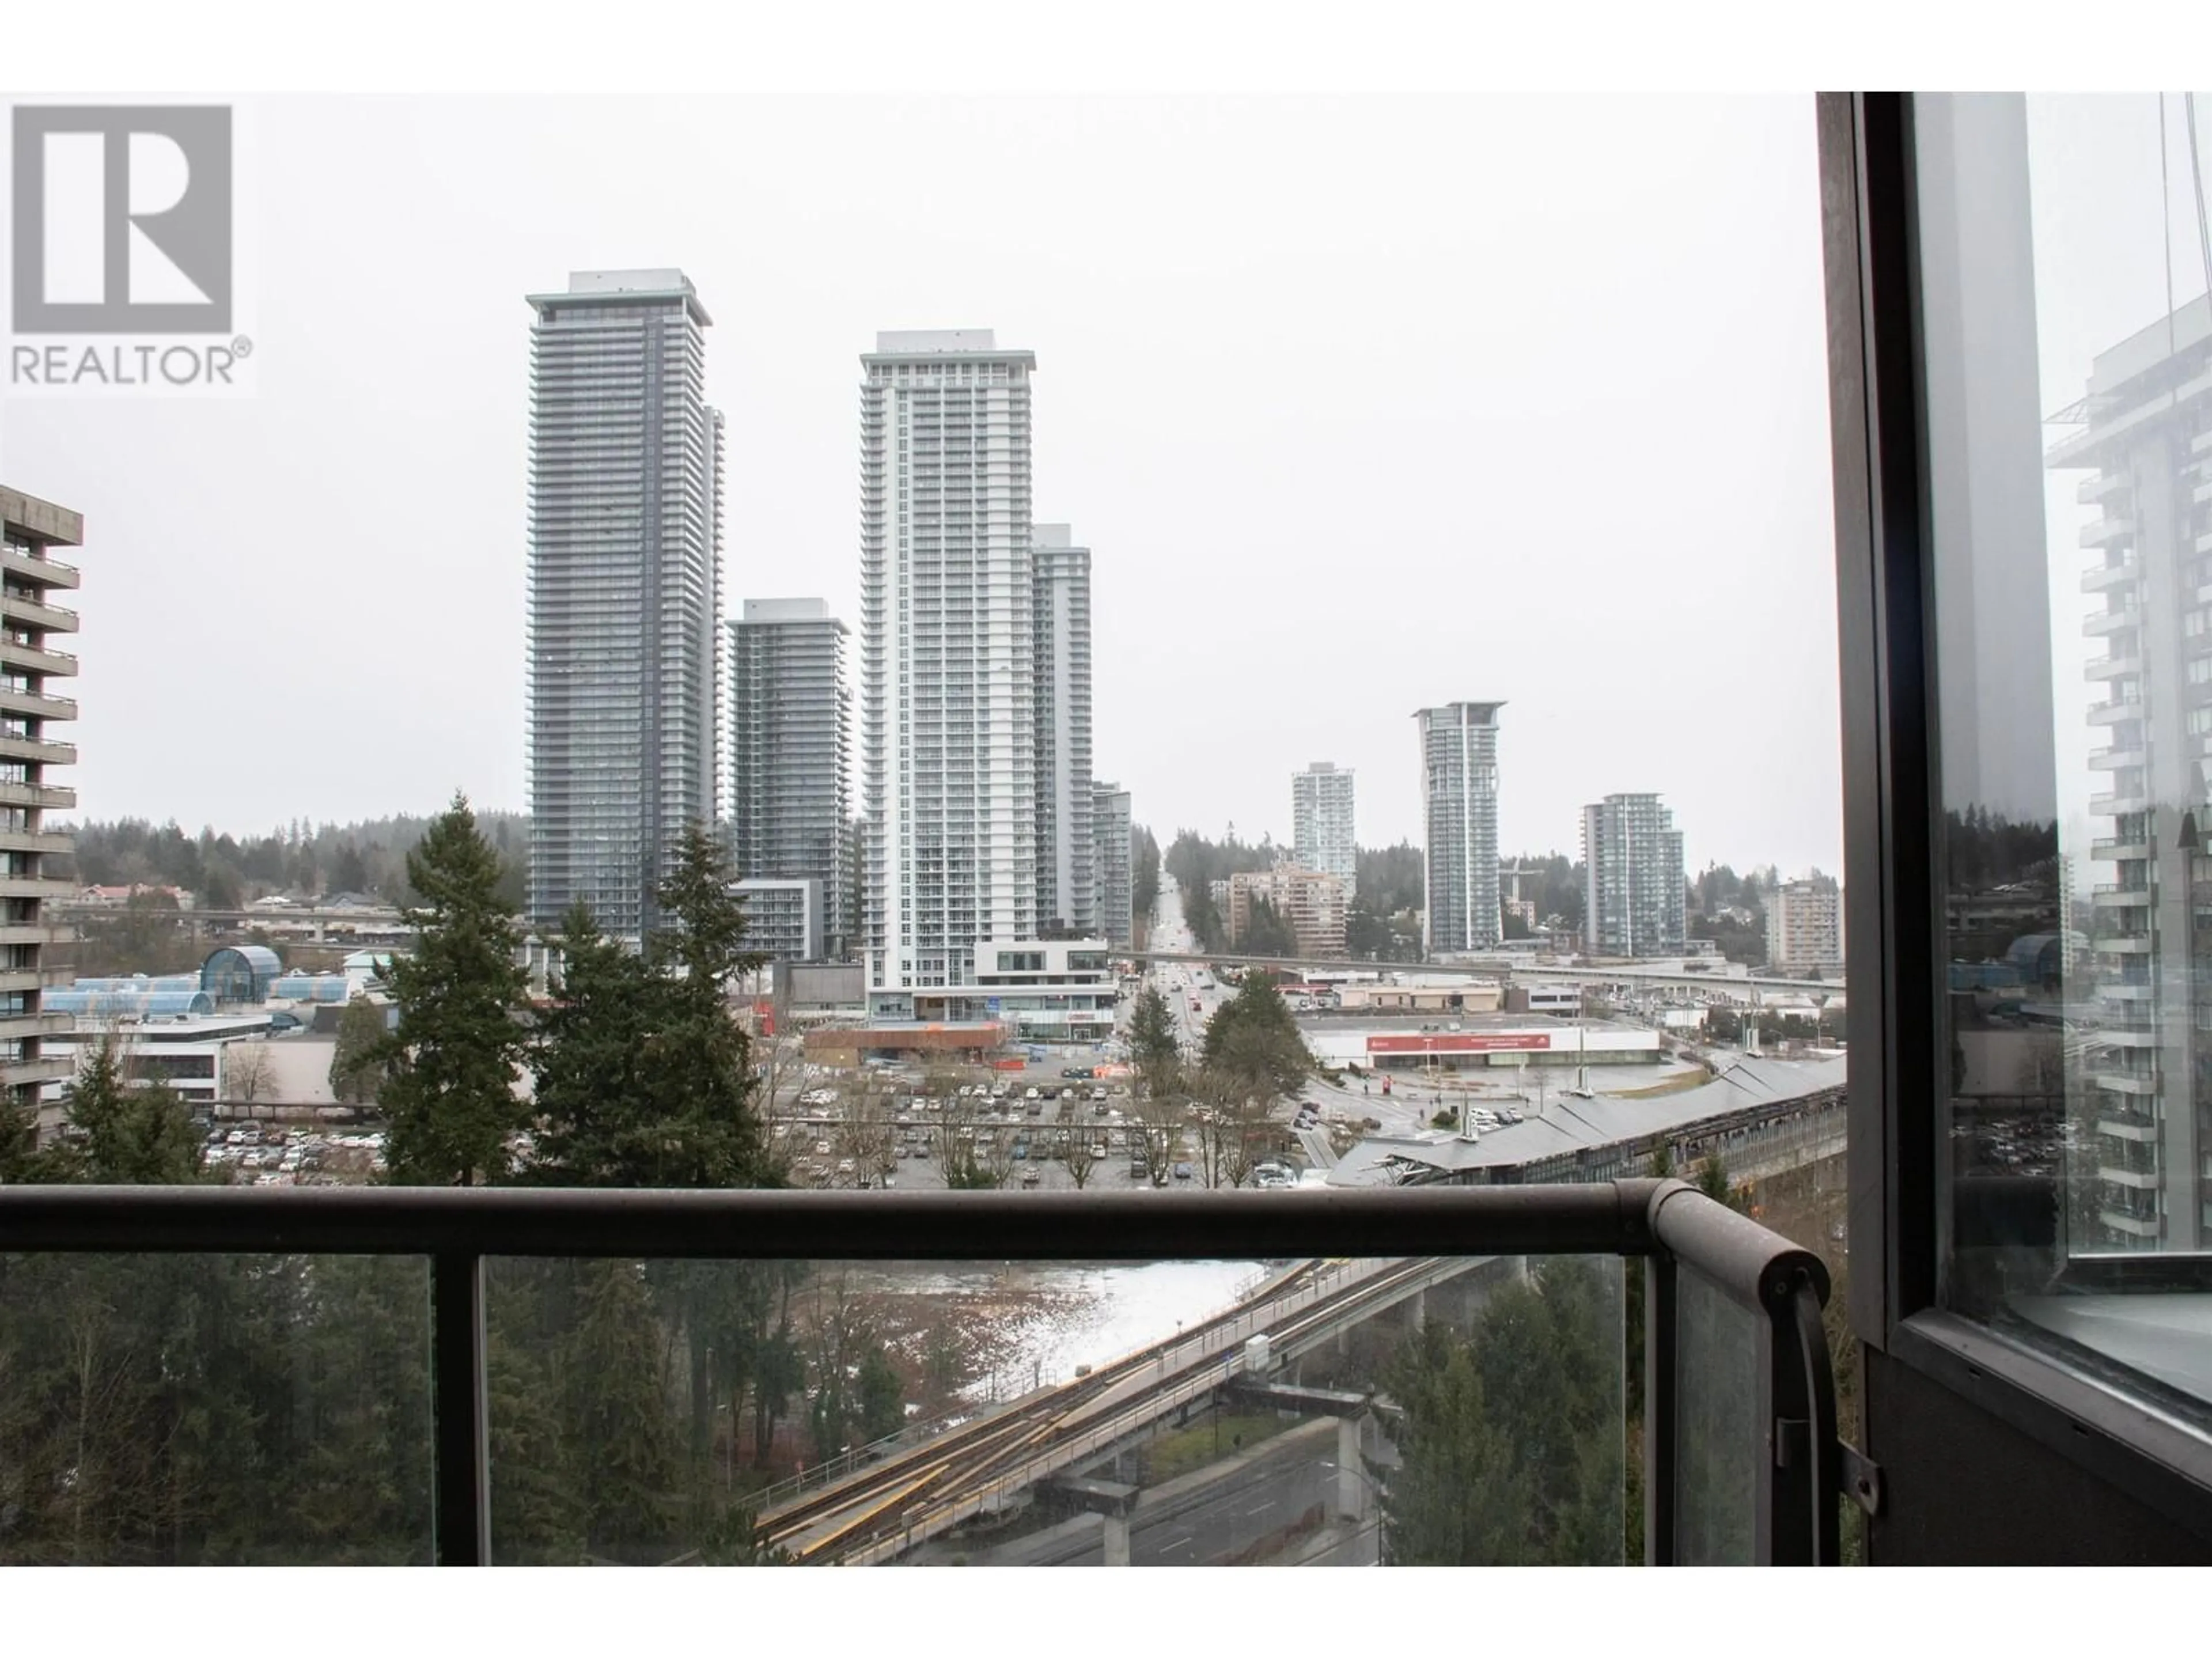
(1457, 1042)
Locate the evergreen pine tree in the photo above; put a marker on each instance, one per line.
(1253, 1040)
(699, 1059)
(132, 1135)
(450, 1066)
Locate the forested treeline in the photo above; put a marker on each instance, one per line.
(223, 871)
(276, 1408)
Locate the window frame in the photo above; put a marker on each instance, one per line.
(1893, 848)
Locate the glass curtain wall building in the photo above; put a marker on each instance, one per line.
(786, 800)
(948, 734)
(1066, 880)
(1459, 772)
(1634, 903)
(625, 591)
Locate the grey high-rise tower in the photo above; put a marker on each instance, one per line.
(787, 800)
(625, 591)
(1634, 903)
(1459, 769)
(948, 735)
(1114, 861)
(1060, 631)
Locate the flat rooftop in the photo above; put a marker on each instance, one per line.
(41, 520)
(907, 343)
(604, 287)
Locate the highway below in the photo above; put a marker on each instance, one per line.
(1181, 982)
(1248, 1502)
(923, 1491)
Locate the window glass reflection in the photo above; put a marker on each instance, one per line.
(2066, 273)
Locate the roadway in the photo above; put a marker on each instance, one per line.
(1210, 1515)
(1174, 970)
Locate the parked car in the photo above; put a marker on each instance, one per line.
(1182, 1172)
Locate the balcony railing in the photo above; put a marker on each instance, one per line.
(1738, 1400)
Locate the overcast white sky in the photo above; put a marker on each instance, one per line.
(1363, 405)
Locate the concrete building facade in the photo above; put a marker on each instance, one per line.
(1113, 859)
(948, 735)
(1060, 631)
(32, 710)
(787, 799)
(1313, 903)
(624, 592)
(1459, 777)
(1323, 835)
(1634, 900)
(1805, 926)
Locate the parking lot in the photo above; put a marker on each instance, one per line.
(274, 1155)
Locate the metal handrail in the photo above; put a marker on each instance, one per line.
(458, 1229)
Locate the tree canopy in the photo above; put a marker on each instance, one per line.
(1254, 1042)
(450, 1066)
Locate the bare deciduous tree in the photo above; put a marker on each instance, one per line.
(1154, 1137)
(247, 1071)
(954, 1139)
(863, 1133)
(1079, 1152)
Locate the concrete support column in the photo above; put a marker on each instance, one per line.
(1417, 1310)
(1351, 1473)
(1117, 1539)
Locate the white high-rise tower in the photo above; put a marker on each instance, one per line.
(1459, 782)
(1322, 836)
(948, 736)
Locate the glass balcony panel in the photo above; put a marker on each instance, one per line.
(1323, 1413)
(1719, 1442)
(215, 1410)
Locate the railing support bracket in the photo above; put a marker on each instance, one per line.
(1861, 1477)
